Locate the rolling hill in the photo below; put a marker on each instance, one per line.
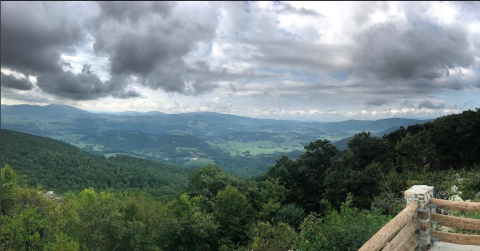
(61, 167)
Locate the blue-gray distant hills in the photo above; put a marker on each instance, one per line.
(200, 124)
(55, 111)
(48, 111)
(241, 145)
(134, 113)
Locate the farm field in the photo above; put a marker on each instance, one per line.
(108, 155)
(253, 148)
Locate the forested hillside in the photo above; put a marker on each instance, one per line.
(58, 166)
(324, 200)
(242, 146)
(420, 154)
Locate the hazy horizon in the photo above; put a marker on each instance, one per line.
(303, 120)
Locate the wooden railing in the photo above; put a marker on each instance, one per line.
(413, 228)
(456, 222)
(381, 238)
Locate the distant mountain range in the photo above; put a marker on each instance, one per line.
(242, 145)
(59, 111)
(48, 111)
(133, 113)
(200, 124)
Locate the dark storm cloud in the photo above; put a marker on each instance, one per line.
(10, 81)
(299, 55)
(414, 56)
(33, 34)
(376, 102)
(407, 103)
(152, 47)
(127, 11)
(14, 94)
(83, 86)
(429, 105)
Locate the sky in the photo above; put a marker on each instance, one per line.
(324, 61)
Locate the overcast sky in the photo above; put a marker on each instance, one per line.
(286, 60)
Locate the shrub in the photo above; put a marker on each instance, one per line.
(348, 229)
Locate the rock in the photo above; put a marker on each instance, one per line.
(458, 178)
(477, 196)
(454, 189)
(51, 195)
(455, 198)
(446, 229)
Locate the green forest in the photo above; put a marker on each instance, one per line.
(326, 199)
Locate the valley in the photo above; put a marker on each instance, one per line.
(241, 145)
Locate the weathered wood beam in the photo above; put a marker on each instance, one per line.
(380, 239)
(456, 205)
(411, 244)
(462, 239)
(456, 222)
(403, 238)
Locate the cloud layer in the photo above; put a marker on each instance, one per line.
(9, 81)
(335, 58)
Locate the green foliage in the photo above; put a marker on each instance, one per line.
(291, 214)
(234, 214)
(272, 191)
(8, 187)
(271, 194)
(367, 149)
(189, 227)
(303, 178)
(390, 200)
(207, 181)
(416, 152)
(63, 243)
(267, 237)
(29, 220)
(348, 229)
(457, 139)
(22, 232)
(269, 211)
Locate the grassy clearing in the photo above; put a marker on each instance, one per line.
(108, 155)
(185, 149)
(238, 148)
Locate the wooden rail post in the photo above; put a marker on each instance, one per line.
(422, 194)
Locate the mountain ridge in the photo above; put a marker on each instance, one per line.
(62, 110)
